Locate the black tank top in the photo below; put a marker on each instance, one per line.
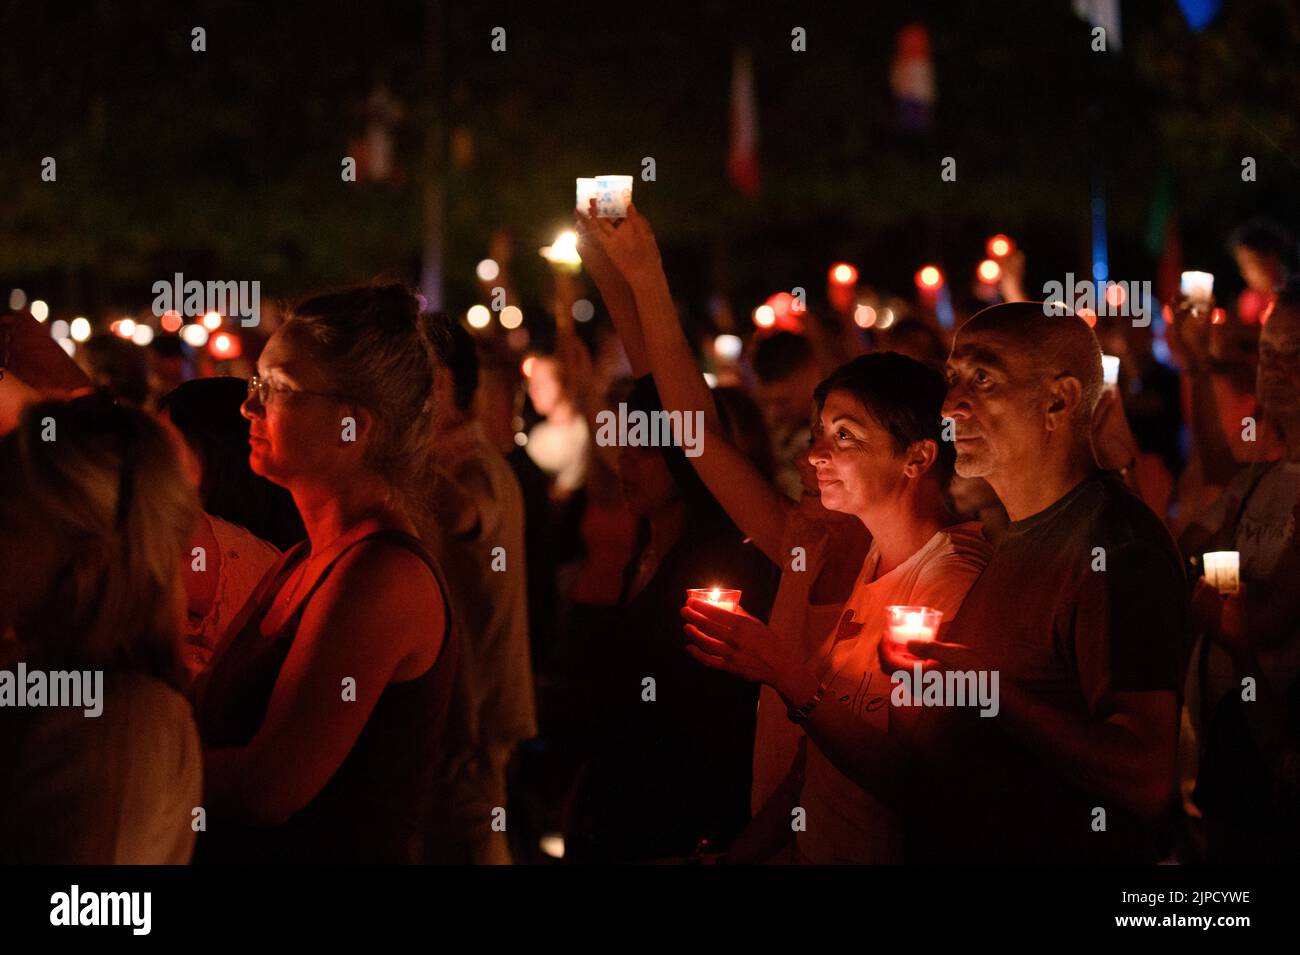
(372, 810)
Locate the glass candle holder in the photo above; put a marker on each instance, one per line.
(1197, 286)
(1222, 570)
(613, 193)
(903, 624)
(587, 190)
(718, 596)
(1110, 369)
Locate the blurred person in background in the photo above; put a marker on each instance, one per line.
(496, 407)
(1246, 766)
(1265, 253)
(485, 561)
(787, 373)
(94, 527)
(227, 557)
(117, 365)
(558, 443)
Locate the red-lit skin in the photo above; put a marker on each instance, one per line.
(861, 473)
(1016, 430)
(1263, 273)
(299, 436)
(997, 406)
(544, 389)
(377, 618)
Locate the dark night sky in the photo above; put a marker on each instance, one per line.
(228, 161)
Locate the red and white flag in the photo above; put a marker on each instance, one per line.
(742, 153)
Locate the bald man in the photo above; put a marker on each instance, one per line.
(1081, 611)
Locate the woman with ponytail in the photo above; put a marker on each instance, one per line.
(322, 709)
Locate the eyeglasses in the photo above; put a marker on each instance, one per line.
(263, 390)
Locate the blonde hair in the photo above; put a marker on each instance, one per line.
(107, 483)
(375, 350)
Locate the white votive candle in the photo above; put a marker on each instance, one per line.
(912, 623)
(718, 596)
(1222, 570)
(1197, 286)
(587, 190)
(1110, 369)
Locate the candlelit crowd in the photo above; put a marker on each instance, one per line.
(385, 597)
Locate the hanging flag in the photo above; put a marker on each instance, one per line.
(1104, 14)
(911, 77)
(373, 150)
(742, 154)
(1199, 14)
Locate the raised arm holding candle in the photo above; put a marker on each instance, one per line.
(819, 551)
(880, 457)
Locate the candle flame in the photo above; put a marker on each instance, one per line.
(912, 619)
(715, 594)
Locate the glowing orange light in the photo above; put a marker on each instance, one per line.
(929, 277)
(1168, 314)
(212, 321)
(989, 271)
(527, 366)
(764, 316)
(1265, 315)
(1218, 317)
(843, 274)
(999, 246)
(864, 316)
(1115, 296)
(224, 346)
(171, 320)
(1089, 316)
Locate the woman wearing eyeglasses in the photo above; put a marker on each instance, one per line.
(321, 711)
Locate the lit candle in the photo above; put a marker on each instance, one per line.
(613, 193)
(587, 190)
(1110, 369)
(718, 596)
(1198, 286)
(1222, 569)
(912, 623)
